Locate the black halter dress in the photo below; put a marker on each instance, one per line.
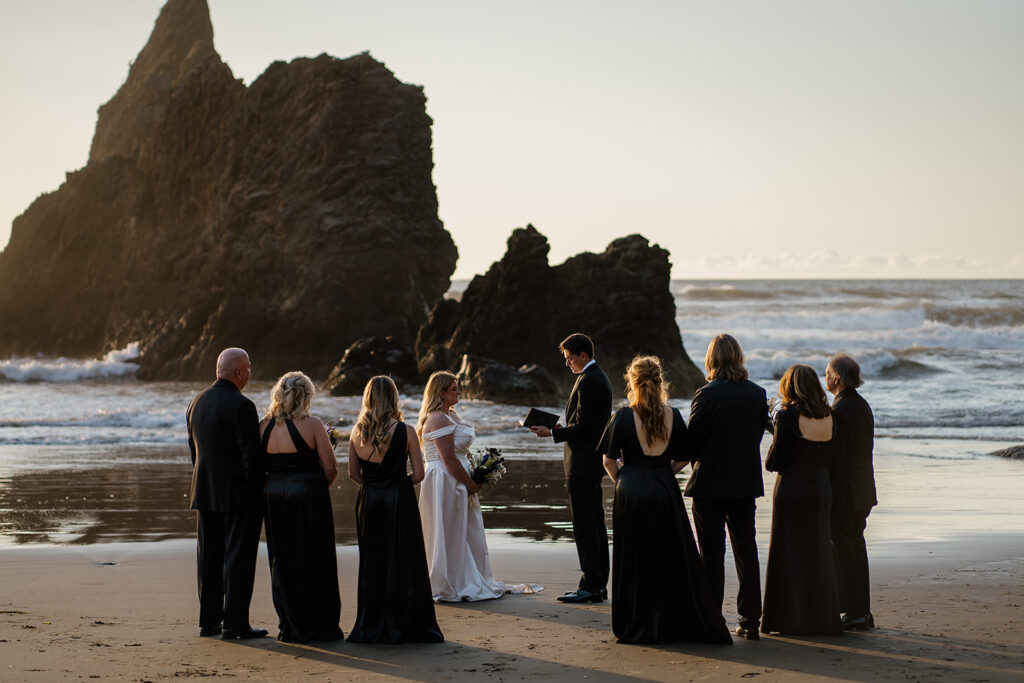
(300, 543)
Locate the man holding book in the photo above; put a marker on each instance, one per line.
(586, 415)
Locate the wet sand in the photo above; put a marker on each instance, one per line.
(127, 611)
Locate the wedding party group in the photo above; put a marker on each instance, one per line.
(275, 473)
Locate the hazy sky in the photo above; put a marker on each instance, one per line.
(750, 139)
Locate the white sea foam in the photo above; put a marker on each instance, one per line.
(114, 364)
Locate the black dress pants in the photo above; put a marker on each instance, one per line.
(712, 516)
(228, 542)
(851, 560)
(586, 503)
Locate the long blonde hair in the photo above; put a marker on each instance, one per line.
(291, 397)
(381, 405)
(647, 393)
(432, 401)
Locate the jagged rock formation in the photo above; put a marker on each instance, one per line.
(291, 217)
(1013, 452)
(527, 385)
(520, 310)
(368, 358)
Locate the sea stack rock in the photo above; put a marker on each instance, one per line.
(527, 385)
(291, 217)
(368, 358)
(520, 310)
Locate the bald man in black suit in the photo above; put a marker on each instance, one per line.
(227, 488)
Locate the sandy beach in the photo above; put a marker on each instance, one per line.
(127, 611)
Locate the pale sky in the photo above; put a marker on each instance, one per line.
(751, 139)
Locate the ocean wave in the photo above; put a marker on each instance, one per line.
(724, 292)
(113, 365)
(1010, 314)
(872, 364)
(118, 419)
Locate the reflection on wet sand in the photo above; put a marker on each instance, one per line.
(146, 499)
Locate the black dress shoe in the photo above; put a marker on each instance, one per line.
(580, 595)
(862, 623)
(231, 634)
(209, 632)
(748, 632)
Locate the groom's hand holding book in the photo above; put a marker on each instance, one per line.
(541, 422)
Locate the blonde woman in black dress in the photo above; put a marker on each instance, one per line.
(659, 591)
(299, 522)
(395, 603)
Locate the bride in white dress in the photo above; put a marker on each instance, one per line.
(453, 529)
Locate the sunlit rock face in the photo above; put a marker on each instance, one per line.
(290, 217)
(519, 311)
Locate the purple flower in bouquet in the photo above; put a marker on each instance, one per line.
(334, 435)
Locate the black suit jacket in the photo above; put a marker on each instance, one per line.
(727, 421)
(586, 415)
(223, 437)
(853, 475)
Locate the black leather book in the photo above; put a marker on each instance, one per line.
(540, 418)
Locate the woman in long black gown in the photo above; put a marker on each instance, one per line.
(299, 523)
(800, 596)
(659, 591)
(395, 601)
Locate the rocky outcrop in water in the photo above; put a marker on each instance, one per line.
(1013, 452)
(527, 385)
(290, 217)
(368, 358)
(520, 310)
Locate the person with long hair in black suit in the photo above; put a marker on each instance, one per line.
(586, 416)
(853, 490)
(659, 592)
(227, 488)
(728, 416)
(800, 595)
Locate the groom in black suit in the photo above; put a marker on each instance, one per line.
(586, 415)
(853, 490)
(227, 491)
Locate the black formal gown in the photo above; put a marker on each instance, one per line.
(800, 596)
(659, 591)
(300, 543)
(395, 601)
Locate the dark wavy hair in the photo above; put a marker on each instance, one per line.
(577, 343)
(800, 387)
(846, 370)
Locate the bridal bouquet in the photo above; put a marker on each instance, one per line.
(488, 466)
(774, 405)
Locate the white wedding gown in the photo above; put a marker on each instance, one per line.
(453, 529)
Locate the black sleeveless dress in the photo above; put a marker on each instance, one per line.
(659, 590)
(300, 543)
(395, 602)
(800, 596)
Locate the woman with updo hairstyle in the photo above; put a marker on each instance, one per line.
(800, 596)
(659, 591)
(299, 523)
(453, 524)
(395, 603)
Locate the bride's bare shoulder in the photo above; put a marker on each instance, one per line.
(436, 420)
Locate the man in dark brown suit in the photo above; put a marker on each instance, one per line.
(227, 492)
(853, 490)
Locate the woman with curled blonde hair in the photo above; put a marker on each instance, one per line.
(453, 529)
(395, 603)
(299, 522)
(659, 593)
(800, 595)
